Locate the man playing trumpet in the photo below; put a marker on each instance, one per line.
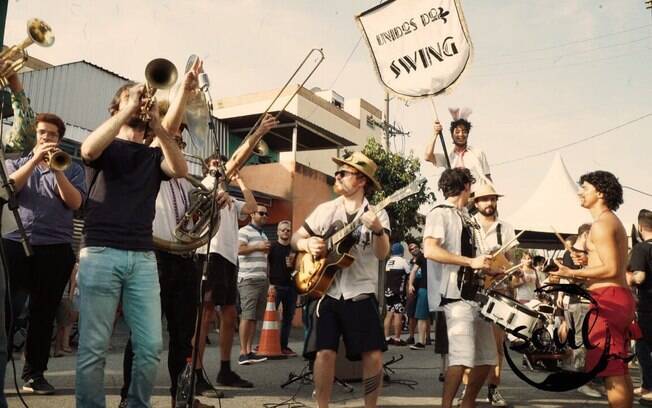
(117, 257)
(47, 198)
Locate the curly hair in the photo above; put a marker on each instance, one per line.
(607, 184)
(453, 181)
(460, 122)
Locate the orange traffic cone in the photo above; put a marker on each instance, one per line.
(270, 336)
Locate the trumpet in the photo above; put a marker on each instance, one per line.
(58, 160)
(159, 74)
(38, 32)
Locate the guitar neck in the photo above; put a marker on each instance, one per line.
(349, 228)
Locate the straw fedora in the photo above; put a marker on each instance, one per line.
(484, 190)
(361, 163)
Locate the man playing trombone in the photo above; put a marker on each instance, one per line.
(117, 257)
(47, 196)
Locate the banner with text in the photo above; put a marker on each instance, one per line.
(419, 47)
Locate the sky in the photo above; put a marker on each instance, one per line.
(543, 75)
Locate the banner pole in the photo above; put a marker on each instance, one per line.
(441, 136)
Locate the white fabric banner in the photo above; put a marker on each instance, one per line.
(419, 47)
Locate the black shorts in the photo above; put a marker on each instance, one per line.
(395, 303)
(357, 321)
(221, 286)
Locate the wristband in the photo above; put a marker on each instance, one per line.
(379, 234)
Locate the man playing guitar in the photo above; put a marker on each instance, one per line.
(349, 307)
(448, 242)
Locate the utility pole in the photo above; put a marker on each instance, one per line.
(386, 124)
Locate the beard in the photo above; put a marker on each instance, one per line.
(137, 123)
(488, 211)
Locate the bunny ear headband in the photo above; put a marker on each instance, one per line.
(458, 113)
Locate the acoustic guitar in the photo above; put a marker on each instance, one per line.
(313, 276)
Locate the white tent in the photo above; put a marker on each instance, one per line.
(553, 204)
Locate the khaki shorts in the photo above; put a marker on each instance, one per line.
(471, 340)
(253, 298)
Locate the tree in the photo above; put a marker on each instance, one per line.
(394, 172)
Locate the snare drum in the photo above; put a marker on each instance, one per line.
(515, 318)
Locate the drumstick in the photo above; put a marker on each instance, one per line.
(561, 239)
(507, 273)
(504, 247)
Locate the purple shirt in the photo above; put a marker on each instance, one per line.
(46, 218)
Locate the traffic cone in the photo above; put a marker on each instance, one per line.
(270, 336)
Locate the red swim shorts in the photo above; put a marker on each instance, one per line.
(615, 313)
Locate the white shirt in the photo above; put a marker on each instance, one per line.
(490, 236)
(489, 240)
(172, 202)
(225, 242)
(444, 223)
(472, 158)
(362, 276)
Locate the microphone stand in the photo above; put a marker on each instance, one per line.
(191, 400)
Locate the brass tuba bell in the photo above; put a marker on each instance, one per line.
(38, 32)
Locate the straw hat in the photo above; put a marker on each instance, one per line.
(361, 163)
(484, 190)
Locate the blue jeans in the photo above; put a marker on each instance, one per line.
(104, 275)
(288, 296)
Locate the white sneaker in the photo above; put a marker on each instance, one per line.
(589, 392)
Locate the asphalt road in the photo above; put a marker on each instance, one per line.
(413, 383)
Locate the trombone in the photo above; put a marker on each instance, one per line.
(38, 32)
(251, 144)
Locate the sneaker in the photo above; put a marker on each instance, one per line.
(288, 352)
(495, 398)
(123, 403)
(640, 391)
(205, 389)
(589, 392)
(255, 358)
(38, 385)
(410, 340)
(231, 379)
(418, 346)
(244, 359)
(398, 342)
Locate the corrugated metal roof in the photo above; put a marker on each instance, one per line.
(79, 92)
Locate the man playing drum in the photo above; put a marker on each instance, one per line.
(449, 243)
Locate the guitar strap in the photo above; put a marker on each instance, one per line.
(499, 235)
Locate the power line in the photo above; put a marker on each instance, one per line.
(529, 156)
(638, 191)
(588, 39)
(346, 62)
(609, 58)
(557, 57)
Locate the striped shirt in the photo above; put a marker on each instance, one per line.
(254, 264)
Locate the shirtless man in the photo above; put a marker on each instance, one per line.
(601, 193)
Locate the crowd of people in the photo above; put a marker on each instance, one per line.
(131, 186)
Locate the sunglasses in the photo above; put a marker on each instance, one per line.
(344, 173)
(262, 213)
